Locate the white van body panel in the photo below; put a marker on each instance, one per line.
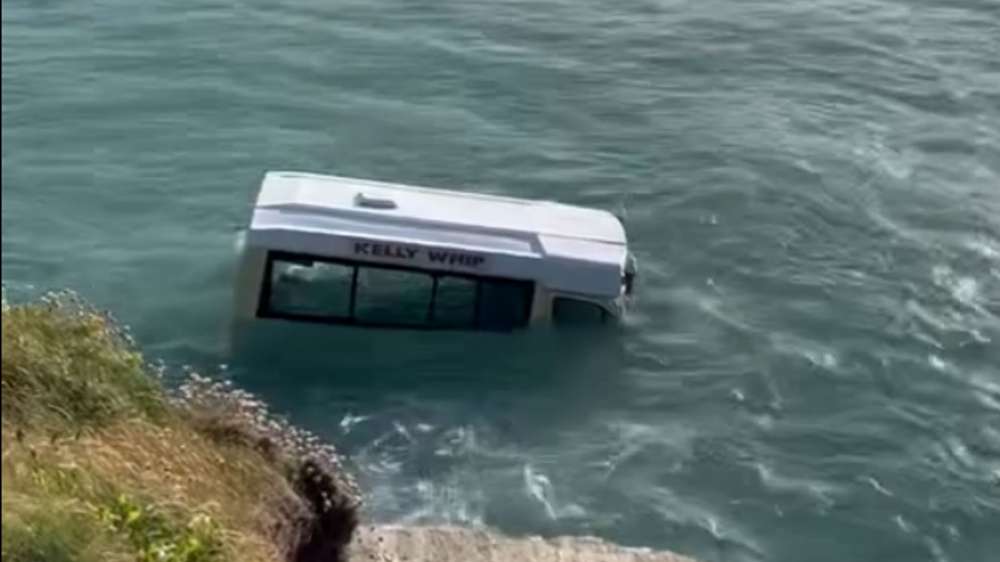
(564, 249)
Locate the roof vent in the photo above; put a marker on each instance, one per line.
(373, 202)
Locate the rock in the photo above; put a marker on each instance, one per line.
(333, 515)
(390, 543)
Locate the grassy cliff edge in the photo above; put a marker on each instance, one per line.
(101, 463)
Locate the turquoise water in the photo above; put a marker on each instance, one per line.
(812, 189)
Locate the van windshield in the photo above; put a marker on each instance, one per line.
(312, 289)
(568, 311)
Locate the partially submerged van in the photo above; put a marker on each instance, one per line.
(335, 250)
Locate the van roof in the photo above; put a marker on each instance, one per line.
(566, 247)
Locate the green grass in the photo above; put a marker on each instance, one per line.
(49, 529)
(101, 464)
(65, 365)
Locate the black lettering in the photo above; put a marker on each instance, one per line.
(455, 258)
(362, 248)
(411, 252)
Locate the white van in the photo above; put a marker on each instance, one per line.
(336, 250)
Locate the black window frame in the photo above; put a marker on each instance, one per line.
(264, 309)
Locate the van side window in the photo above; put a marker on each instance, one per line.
(335, 291)
(503, 305)
(392, 296)
(310, 288)
(568, 311)
(454, 303)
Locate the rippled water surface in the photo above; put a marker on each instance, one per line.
(812, 190)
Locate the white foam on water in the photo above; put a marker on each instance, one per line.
(820, 492)
(713, 527)
(450, 502)
(897, 164)
(825, 359)
(960, 452)
(539, 487)
(763, 421)
(401, 430)
(903, 524)
(612, 463)
(636, 438)
(713, 306)
(987, 392)
(936, 550)
(971, 318)
(682, 512)
(457, 441)
(349, 421)
(813, 352)
(878, 486)
(937, 363)
(984, 247)
(964, 289)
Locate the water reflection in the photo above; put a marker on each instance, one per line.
(540, 376)
(436, 422)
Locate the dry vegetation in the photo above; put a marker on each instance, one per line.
(101, 464)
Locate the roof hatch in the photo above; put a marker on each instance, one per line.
(368, 201)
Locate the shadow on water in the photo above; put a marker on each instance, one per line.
(534, 377)
(436, 422)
